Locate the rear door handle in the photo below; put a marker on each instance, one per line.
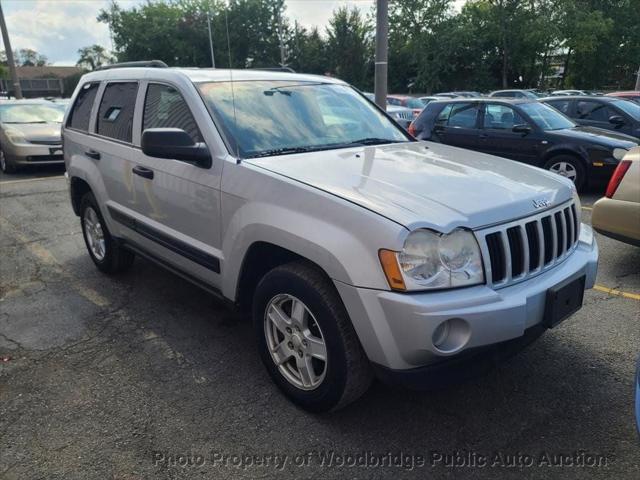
(92, 154)
(143, 172)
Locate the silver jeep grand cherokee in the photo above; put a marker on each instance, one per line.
(359, 250)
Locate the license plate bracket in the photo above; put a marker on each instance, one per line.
(563, 300)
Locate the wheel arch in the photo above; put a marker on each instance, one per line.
(78, 187)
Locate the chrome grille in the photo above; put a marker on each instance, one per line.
(517, 250)
(408, 115)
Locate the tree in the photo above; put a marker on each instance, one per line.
(93, 57)
(27, 57)
(350, 47)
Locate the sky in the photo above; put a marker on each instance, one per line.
(58, 28)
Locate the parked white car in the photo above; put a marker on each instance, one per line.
(359, 250)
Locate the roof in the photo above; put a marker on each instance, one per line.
(512, 90)
(505, 100)
(47, 71)
(197, 75)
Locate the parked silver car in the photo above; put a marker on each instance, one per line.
(29, 134)
(358, 250)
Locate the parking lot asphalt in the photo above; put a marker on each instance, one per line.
(145, 376)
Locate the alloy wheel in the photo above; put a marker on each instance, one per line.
(565, 169)
(295, 342)
(94, 234)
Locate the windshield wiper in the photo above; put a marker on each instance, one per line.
(373, 141)
(280, 151)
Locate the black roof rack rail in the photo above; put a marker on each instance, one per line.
(141, 64)
(275, 69)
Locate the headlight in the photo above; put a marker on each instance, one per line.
(619, 153)
(14, 135)
(431, 260)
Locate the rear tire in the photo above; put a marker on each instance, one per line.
(570, 167)
(105, 251)
(5, 164)
(325, 330)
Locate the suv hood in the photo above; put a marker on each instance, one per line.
(425, 184)
(599, 136)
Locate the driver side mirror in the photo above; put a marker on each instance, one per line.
(616, 120)
(525, 129)
(176, 144)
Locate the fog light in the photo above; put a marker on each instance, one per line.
(451, 335)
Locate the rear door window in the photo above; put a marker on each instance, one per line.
(594, 111)
(501, 117)
(81, 112)
(164, 107)
(115, 115)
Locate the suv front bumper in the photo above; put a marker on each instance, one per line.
(397, 329)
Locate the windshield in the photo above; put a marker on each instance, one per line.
(32, 113)
(281, 117)
(630, 108)
(546, 117)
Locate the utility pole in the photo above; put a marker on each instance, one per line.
(382, 52)
(213, 60)
(17, 91)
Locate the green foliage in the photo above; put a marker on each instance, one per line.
(350, 47)
(93, 57)
(487, 44)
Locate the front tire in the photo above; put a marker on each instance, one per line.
(306, 340)
(5, 164)
(569, 167)
(107, 254)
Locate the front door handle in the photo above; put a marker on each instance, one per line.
(484, 136)
(143, 172)
(92, 154)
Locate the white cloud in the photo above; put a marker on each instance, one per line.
(316, 13)
(56, 29)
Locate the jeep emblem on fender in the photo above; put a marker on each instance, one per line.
(541, 203)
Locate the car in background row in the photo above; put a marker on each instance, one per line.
(633, 95)
(527, 131)
(617, 214)
(29, 134)
(463, 94)
(563, 93)
(513, 94)
(428, 99)
(415, 104)
(403, 115)
(610, 113)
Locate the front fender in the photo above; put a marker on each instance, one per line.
(342, 254)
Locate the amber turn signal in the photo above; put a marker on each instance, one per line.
(391, 269)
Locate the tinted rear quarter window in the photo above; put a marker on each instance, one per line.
(115, 116)
(81, 112)
(164, 107)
